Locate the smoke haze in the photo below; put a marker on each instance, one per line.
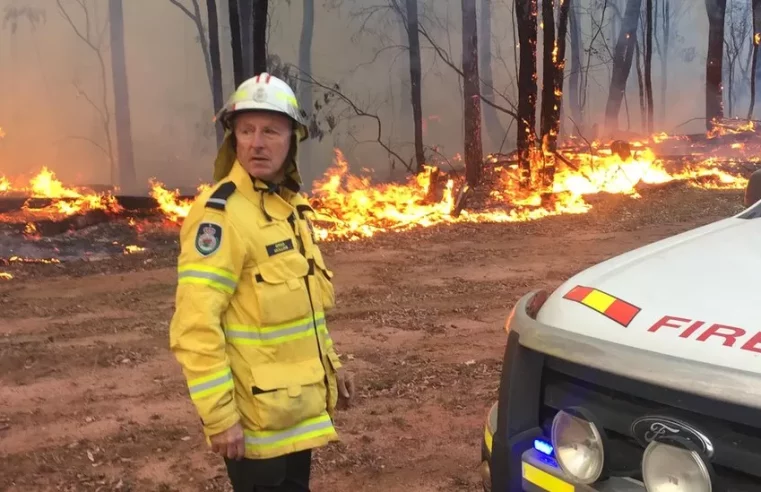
(48, 122)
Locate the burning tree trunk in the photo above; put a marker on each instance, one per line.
(493, 125)
(122, 118)
(548, 75)
(215, 60)
(235, 43)
(754, 64)
(416, 77)
(573, 81)
(622, 62)
(552, 90)
(472, 102)
(649, 64)
(526, 13)
(260, 36)
(716, 10)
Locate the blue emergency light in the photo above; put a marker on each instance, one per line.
(543, 447)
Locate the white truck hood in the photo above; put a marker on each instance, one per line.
(696, 296)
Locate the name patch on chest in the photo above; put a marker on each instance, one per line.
(279, 247)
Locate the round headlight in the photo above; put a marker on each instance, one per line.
(578, 447)
(667, 468)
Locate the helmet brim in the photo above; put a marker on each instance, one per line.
(225, 116)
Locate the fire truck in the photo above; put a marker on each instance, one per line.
(641, 373)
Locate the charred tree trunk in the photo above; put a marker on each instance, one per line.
(664, 57)
(622, 62)
(416, 77)
(493, 125)
(122, 116)
(552, 85)
(558, 72)
(472, 101)
(649, 64)
(641, 88)
(246, 16)
(404, 110)
(615, 20)
(716, 10)
(573, 80)
(305, 55)
(209, 49)
(526, 18)
(239, 74)
(548, 72)
(215, 60)
(259, 25)
(756, 5)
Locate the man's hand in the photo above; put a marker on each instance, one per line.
(346, 391)
(230, 443)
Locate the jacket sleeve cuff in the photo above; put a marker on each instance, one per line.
(334, 360)
(218, 426)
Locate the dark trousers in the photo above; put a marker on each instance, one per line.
(289, 473)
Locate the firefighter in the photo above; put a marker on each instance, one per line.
(253, 288)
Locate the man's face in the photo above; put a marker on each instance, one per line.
(263, 141)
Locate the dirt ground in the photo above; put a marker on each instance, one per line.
(92, 399)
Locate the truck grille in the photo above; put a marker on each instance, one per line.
(616, 402)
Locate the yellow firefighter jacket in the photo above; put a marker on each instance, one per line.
(249, 327)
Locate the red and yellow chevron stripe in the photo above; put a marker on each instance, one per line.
(614, 308)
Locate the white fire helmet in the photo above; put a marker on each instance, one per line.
(264, 92)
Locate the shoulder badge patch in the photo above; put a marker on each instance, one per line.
(208, 238)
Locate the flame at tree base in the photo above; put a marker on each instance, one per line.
(351, 207)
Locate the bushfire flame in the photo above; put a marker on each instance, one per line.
(61, 201)
(352, 207)
(170, 203)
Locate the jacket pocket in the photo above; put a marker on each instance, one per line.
(323, 279)
(287, 394)
(281, 289)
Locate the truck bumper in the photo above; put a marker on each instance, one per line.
(542, 473)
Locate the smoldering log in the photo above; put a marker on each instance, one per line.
(462, 200)
(11, 204)
(48, 228)
(128, 203)
(644, 188)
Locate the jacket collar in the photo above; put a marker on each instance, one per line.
(262, 194)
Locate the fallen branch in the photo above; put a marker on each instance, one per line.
(581, 135)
